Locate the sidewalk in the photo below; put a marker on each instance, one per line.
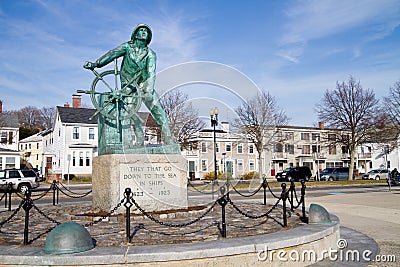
(374, 214)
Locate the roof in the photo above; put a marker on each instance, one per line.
(9, 151)
(33, 138)
(9, 120)
(77, 115)
(82, 115)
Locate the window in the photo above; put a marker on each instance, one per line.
(228, 147)
(37, 156)
(87, 159)
(251, 149)
(204, 165)
(279, 136)
(332, 149)
(316, 149)
(73, 158)
(3, 137)
(81, 158)
(331, 137)
(22, 147)
(75, 133)
(240, 165)
(252, 166)
(1, 163)
(217, 147)
(204, 147)
(30, 146)
(240, 149)
(289, 148)
(10, 137)
(305, 136)
(306, 150)
(10, 162)
(14, 174)
(388, 164)
(37, 145)
(289, 136)
(278, 147)
(91, 133)
(315, 136)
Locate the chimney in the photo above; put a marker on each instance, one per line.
(76, 101)
(1, 106)
(321, 125)
(66, 105)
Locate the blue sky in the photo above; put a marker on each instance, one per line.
(293, 49)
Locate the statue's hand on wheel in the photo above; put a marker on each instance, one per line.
(89, 65)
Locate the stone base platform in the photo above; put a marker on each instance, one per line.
(158, 181)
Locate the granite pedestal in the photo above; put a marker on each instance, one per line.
(158, 181)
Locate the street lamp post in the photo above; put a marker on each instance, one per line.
(214, 123)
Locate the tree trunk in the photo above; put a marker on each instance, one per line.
(351, 167)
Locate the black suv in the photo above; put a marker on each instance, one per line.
(295, 173)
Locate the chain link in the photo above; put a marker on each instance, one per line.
(13, 214)
(45, 215)
(105, 216)
(173, 225)
(198, 190)
(82, 195)
(252, 194)
(252, 216)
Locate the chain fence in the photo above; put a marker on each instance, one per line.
(276, 213)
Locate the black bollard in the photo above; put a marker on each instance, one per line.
(28, 204)
(9, 196)
(54, 187)
(264, 185)
(128, 205)
(303, 199)
(284, 197)
(223, 201)
(292, 188)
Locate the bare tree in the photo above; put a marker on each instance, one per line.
(48, 114)
(183, 118)
(30, 117)
(391, 105)
(259, 119)
(353, 110)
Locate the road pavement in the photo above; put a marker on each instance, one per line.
(375, 214)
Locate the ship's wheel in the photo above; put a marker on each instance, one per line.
(110, 100)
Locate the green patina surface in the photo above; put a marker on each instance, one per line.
(120, 127)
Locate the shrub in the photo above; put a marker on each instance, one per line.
(249, 176)
(71, 176)
(210, 175)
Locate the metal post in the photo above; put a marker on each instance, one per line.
(58, 191)
(27, 206)
(303, 199)
(215, 161)
(9, 196)
(292, 188)
(284, 197)
(223, 201)
(264, 185)
(54, 192)
(128, 205)
(214, 123)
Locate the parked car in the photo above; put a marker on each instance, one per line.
(20, 179)
(335, 174)
(376, 174)
(297, 173)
